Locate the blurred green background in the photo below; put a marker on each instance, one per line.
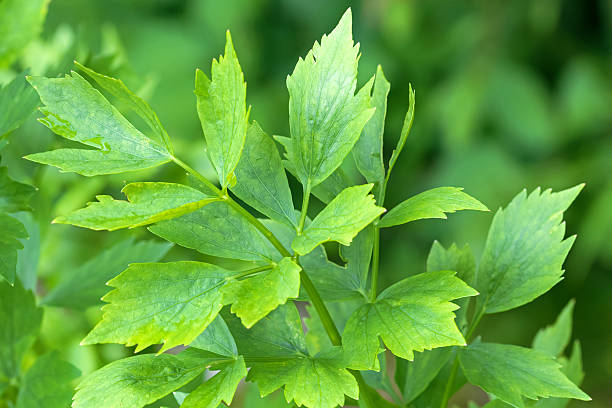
(510, 95)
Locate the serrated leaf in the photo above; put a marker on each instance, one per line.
(513, 373)
(525, 250)
(169, 303)
(221, 387)
(222, 111)
(434, 203)
(86, 284)
(12, 230)
(254, 297)
(460, 260)
(325, 115)
(14, 196)
(554, 338)
(20, 321)
(406, 127)
(117, 88)
(347, 214)
(147, 203)
(368, 151)
(90, 119)
(17, 99)
(48, 380)
(20, 23)
(136, 381)
(414, 314)
(261, 181)
(217, 339)
(218, 230)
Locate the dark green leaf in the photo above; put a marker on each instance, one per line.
(12, 230)
(17, 98)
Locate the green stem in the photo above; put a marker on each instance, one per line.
(253, 271)
(449, 384)
(197, 175)
(375, 262)
(305, 201)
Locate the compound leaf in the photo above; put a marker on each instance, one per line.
(347, 214)
(20, 321)
(434, 203)
(254, 297)
(48, 380)
(221, 387)
(12, 230)
(325, 116)
(90, 119)
(170, 303)
(261, 181)
(222, 111)
(414, 314)
(86, 284)
(147, 203)
(513, 373)
(525, 250)
(369, 148)
(218, 230)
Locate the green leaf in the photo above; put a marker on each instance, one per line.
(555, 338)
(433, 395)
(14, 196)
(117, 88)
(347, 214)
(254, 297)
(406, 127)
(421, 372)
(525, 250)
(414, 314)
(19, 324)
(357, 257)
(48, 380)
(17, 99)
(218, 230)
(325, 116)
(90, 119)
(222, 111)
(136, 381)
(221, 387)
(84, 286)
(147, 203)
(460, 260)
(20, 23)
(12, 230)
(261, 179)
(368, 151)
(217, 339)
(169, 303)
(434, 203)
(513, 373)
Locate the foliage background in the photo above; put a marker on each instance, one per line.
(510, 95)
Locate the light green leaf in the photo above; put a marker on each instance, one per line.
(136, 381)
(261, 179)
(434, 203)
(147, 203)
(357, 257)
(256, 296)
(525, 250)
(20, 22)
(14, 196)
(17, 98)
(221, 387)
(555, 338)
(117, 88)
(414, 314)
(460, 260)
(84, 286)
(368, 151)
(216, 339)
(90, 119)
(347, 214)
(218, 230)
(47, 382)
(513, 373)
(12, 230)
(406, 127)
(422, 371)
(19, 324)
(222, 111)
(169, 303)
(325, 116)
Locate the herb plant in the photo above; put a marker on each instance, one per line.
(242, 322)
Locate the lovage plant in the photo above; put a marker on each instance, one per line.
(243, 322)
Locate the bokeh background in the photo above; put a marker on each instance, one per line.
(510, 95)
